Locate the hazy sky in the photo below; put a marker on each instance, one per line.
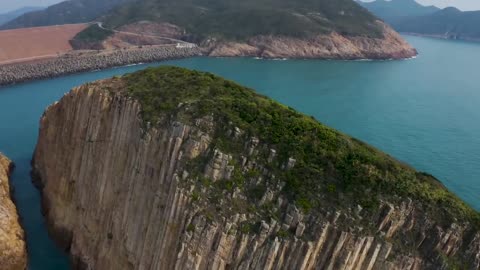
(7, 5)
(460, 4)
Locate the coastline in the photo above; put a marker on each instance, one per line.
(78, 62)
(442, 37)
(332, 46)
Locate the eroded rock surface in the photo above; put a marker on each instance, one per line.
(331, 46)
(125, 194)
(13, 254)
(322, 46)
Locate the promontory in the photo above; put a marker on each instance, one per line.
(169, 168)
(324, 29)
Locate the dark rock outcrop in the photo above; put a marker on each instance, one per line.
(321, 46)
(331, 46)
(13, 253)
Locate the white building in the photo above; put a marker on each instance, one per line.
(186, 45)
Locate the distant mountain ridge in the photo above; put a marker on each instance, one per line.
(449, 23)
(73, 11)
(410, 17)
(397, 9)
(230, 17)
(6, 17)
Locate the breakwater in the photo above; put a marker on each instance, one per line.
(88, 61)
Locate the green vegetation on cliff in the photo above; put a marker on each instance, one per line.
(331, 168)
(240, 20)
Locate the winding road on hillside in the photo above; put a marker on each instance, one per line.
(100, 24)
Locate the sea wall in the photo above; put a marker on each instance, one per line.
(88, 61)
(121, 195)
(13, 253)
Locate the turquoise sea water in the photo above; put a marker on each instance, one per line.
(424, 111)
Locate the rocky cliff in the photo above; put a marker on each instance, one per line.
(326, 46)
(13, 253)
(334, 45)
(175, 169)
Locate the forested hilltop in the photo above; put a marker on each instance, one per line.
(322, 29)
(243, 19)
(264, 28)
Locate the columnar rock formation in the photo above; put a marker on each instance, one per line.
(13, 254)
(131, 186)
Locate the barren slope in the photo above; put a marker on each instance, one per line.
(36, 43)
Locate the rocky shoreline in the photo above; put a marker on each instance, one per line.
(332, 46)
(326, 46)
(13, 251)
(88, 61)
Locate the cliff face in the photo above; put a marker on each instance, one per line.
(191, 185)
(13, 254)
(331, 46)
